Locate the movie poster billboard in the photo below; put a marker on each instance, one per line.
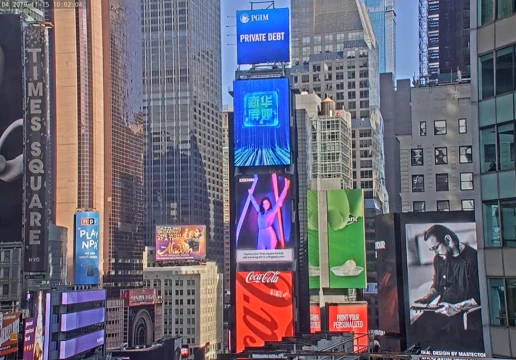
(11, 128)
(315, 318)
(264, 307)
(314, 269)
(28, 338)
(180, 242)
(261, 122)
(442, 282)
(264, 219)
(350, 318)
(9, 333)
(36, 117)
(87, 247)
(346, 239)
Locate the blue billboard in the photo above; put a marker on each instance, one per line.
(263, 36)
(261, 122)
(86, 252)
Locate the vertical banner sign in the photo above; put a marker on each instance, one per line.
(314, 270)
(35, 131)
(86, 250)
(28, 338)
(315, 318)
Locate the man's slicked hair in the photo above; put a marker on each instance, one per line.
(440, 232)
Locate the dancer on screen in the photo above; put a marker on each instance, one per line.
(267, 237)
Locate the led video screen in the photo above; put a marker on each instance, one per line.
(264, 218)
(261, 122)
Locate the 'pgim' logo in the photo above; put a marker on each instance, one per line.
(89, 221)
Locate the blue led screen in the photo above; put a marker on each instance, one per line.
(261, 122)
(86, 254)
(263, 36)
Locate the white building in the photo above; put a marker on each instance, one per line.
(436, 161)
(192, 303)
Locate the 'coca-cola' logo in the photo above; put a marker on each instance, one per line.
(269, 277)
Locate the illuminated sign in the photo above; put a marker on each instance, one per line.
(139, 297)
(180, 242)
(264, 309)
(263, 36)
(350, 318)
(10, 327)
(315, 318)
(87, 247)
(261, 122)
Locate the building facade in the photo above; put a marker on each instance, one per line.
(192, 303)
(396, 113)
(436, 160)
(383, 19)
(182, 104)
(493, 98)
(11, 276)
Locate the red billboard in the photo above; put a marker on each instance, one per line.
(315, 318)
(350, 318)
(264, 309)
(9, 333)
(139, 297)
(181, 242)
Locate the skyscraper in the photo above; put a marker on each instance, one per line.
(99, 133)
(383, 19)
(444, 39)
(182, 103)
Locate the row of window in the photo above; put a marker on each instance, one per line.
(502, 301)
(497, 72)
(441, 182)
(417, 156)
(441, 127)
(491, 10)
(497, 148)
(443, 205)
(499, 223)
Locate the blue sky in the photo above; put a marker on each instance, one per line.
(406, 39)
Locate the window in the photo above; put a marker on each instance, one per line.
(5, 289)
(441, 182)
(491, 218)
(508, 211)
(486, 76)
(466, 181)
(416, 157)
(351, 85)
(506, 146)
(441, 156)
(496, 295)
(485, 12)
(488, 149)
(352, 95)
(440, 127)
(463, 127)
(465, 154)
(504, 70)
(422, 128)
(503, 8)
(443, 205)
(418, 183)
(418, 206)
(468, 205)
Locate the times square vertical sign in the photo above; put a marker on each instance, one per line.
(36, 129)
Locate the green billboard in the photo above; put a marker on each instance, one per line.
(346, 239)
(313, 240)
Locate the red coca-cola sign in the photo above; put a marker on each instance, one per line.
(269, 277)
(264, 309)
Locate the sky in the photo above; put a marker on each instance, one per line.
(407, 43)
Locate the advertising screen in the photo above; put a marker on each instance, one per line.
(314, 270)
(9, 333)
(263, 36)
(81, 319)
(38, 302)
(36, 212)
(443, 286)
(386, 268)
(87, 246)
(264, 309)
(261, 122)
(181, 242)
(80, 344)
(264, 219)
(77, 297)
(315, 318)
(11, 129)
(346, 239)
(139, 297)
(28, 338)
(350, 318)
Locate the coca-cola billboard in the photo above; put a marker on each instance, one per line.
(264, 308)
